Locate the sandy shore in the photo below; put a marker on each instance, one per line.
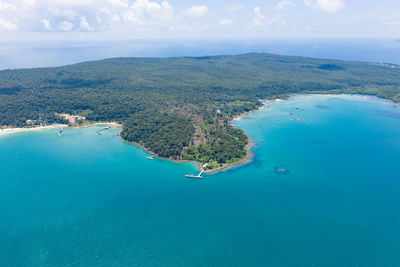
(249, 154)
(116, 124)
(8, 131)
(245, 160)
(19, 130)
(241, 116)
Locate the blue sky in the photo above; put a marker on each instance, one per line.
(199, 19)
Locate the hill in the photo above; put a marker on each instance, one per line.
(181, 108)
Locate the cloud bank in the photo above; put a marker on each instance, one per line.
(169, 18)
(330, 6)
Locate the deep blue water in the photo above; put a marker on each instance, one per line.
(90, 200)
(52, 53)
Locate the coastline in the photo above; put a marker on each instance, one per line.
(116, 124)
(249, 154)
(360, 97)
(241, 116)
(157, 156)
(8, 131)
(247, 159)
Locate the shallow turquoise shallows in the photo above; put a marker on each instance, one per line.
(323, 189)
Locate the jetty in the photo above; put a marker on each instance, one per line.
(59, 132)
(195, 176)
(103, 129)
(151, 157)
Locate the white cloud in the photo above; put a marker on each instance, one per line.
(395, 22)
(196, 11)
(234, 7)
(330, 6)
(28, 4)
(46, 24)
(144, 12)
(68, 13)
(258, 19)
(277, 20)
(119, 3)
(284, 4)
(70, 3)
(7, 7)
(226, 22)
(7, 26)
(66, 26)
(84, 25)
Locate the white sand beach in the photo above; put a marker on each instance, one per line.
(8, 131)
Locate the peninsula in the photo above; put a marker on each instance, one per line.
(180, 108)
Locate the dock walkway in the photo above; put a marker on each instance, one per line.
(195, 176)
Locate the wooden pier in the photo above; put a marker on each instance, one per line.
(195, 176)
(59, 132)
(105, 128)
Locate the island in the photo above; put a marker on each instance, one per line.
(180, 108)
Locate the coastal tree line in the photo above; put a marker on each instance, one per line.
(181, 107)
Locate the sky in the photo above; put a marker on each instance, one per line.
(130, 19)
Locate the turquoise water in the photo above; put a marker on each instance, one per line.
(90, 200)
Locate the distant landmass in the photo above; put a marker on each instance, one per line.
(181, 108)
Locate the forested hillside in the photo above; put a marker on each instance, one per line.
(181, 107)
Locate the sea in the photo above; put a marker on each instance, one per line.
(31, 54)
(322, 189)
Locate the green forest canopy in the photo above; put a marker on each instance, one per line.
(181, 107)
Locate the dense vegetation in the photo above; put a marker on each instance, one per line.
(221, 149)
(164, 133)
(181, 107)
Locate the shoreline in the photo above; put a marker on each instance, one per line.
(241, 116)
(157, 156)
(249, 154)
(116, 124)
(8, 131)
(247, 159)
(359, 97)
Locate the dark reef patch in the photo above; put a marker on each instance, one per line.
(281, 171)
(390, 114)
(331, 67)
(322, 106)
(10, 90)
